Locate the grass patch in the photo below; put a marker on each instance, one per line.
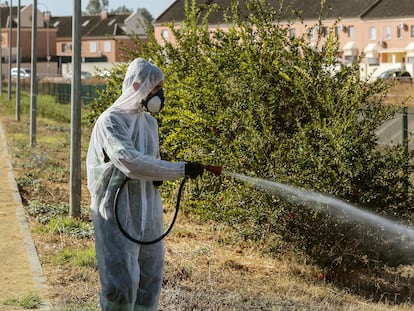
(46, 106)
(71, 226)
(85, 257)
(29, 301)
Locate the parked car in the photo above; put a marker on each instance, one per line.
(84, 75)
(396, 74)
(25, 73)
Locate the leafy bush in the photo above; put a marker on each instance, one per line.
(56, 220)
(264, 104)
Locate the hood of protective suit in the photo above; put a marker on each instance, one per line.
(147, 75)
(124, 143)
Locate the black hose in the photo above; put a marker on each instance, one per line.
(162, 236)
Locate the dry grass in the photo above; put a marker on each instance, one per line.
(401, 94)
(203, 274)
(202, 271)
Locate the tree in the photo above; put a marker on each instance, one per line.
(121, 9)
(146, 14)
(97, 6)
(262, 103)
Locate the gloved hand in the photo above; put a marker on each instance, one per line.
(194, 169)
(157, 183)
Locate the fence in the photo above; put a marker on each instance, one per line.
(62, 90)
(398, 130)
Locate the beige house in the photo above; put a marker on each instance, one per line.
(380, 30)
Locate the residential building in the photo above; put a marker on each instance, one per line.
(102, 35)
(45, 34)
(103, 38)
(380, 30)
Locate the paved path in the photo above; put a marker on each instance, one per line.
(20, 269)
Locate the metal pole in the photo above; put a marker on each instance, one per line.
(10, 48)
(18, 45)
(48, 43)
(1, 53)
(405, 144)
(33, 79)
(75, 153)
(46, 17)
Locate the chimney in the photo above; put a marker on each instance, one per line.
(47, 16)
(104, 15)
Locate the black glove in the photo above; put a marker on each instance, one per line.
(194, 169)
(157, 183)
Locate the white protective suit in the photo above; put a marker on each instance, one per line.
(124, 143)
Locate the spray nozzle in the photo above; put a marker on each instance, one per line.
(215, 169)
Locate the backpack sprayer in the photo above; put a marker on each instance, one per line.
(216, 170)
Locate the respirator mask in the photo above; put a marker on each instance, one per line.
(154, 102)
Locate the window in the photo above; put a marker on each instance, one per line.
(338, 30)
(349, 59)
(372, 61)
(164, 34)
(373, 33)
(351, 31)
(388, 32)
(325, 31)
(107, 46)
(292, 33)
(311, 33)
(85, 23)
(92, 47)
(66, 47)
(412, 31)
(399, 31)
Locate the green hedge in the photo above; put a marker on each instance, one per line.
(264, 104)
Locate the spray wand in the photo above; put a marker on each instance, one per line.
(215, 169)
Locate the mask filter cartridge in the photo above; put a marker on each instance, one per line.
(154, 102)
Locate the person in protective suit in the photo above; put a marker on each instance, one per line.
(124, 144)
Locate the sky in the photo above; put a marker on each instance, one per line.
(65, 7)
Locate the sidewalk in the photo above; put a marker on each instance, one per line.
(20, 269)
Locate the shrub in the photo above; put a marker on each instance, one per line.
(264, 104)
